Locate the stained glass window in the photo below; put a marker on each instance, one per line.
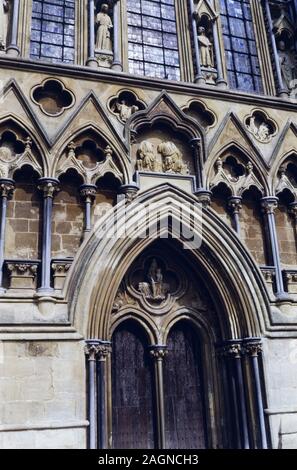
(152, 39)
(240, 45)
(53, 30)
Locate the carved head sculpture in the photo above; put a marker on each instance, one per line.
(282, 46)
(104, 8)
(201, 30)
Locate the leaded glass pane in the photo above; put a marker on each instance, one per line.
(240, 45)
(153, 46)
(53, 30)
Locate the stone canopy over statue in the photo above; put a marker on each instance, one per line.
(104, 26)
(4, 20)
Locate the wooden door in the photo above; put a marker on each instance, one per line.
(183, 390)
(132, 389)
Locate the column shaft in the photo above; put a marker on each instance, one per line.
(117, 64)
(220, 78)
(48, 186)
(6, 188)
(13, 49)
(92, 62)
(158, 353)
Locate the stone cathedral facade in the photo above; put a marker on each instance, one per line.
(148, 230)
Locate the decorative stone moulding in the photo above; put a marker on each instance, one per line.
(201, 113)
(15, 152)
(291, 281)
(60, 268)
(52, 97)
(22, 274)
(124, 104)
(261, 126)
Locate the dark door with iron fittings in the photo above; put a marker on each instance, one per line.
(132, 389)
(183, 390)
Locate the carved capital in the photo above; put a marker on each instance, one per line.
(88, 192)
(97, 350)
(235, 204)
(6, 187)
(253, 349)
(130, 191)
(269, 204)
(22, 275)
(159, 352)
(48, 186)
(204, 197)
(231, 350)
(60, 269)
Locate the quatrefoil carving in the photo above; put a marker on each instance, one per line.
(52, 97)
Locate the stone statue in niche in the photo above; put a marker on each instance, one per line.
(288, 64)
(125, 111)
(104, 25)
(155, 288)
(206, 48)
(146, 158)
(4, 9)
(172, 158)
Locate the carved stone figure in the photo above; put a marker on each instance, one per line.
(206, 48)
(146, 157)
(125, 111)
(172, 158)
(104, 25)
(155, 288)
(4, 8)
(263, 132)
(288, 63)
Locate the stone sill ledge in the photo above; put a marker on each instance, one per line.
(115, 77)
(43, 426)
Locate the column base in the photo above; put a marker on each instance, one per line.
(92, 62)
(13, 51)
(199, 80)
(283, 93)
(221, 83)
(283, 297)
(117, 66)
(45, 292)
(2, 291)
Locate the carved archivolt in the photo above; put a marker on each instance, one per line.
(16, 152)
(89, 160)
(237, 177)
(261, 126)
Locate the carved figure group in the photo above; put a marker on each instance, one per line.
(171, 158)
(260, 131)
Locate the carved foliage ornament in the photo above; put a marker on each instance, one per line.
(166, 158)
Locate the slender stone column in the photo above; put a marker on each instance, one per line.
(253, 348)
(48, 186)
(6, 190)
(158, 353)
(281, 88)
(88, 193)
(199, 78)
(234, 351)
(91, 350)
(234, 204)
(92, 61)
(103, 350)
(196, 145)
(13, 49)
(117, 64)
(220, 82)
(269, 204)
